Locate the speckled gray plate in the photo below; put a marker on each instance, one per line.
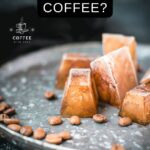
(23, 83)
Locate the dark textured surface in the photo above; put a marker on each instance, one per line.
(6, 145)
(23, 83)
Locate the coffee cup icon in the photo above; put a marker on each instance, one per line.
(21, 27)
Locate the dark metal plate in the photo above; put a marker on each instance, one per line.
(23, 83)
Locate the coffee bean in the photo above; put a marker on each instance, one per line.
(65, 135)
(117, 147)
(39, 133)
(3, 116)
(99, 118)
(75, 120)
(9, 111)
(1, 98)
(49, 95)
(26, 130)
(11, 121)
(125, 121)
(3, 106)
(14, 127)
(55, 120)
(139, 68)
(53, 139)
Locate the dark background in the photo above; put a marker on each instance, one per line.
(131, 17)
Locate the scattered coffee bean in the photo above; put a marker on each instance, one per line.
(53, 139)
(75, 120)
(99, 118)
(117, 147)
(125, 121)
(3, 116)
(9, 111)
(139, 68)
(65, 135)
(26, 130)
(3, 106)
(55, 120)
(14, 127)
(11, 121)
(49, 95)
(1, 98)
(39, 133)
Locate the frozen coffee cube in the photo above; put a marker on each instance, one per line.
(136, 104)
(112, 42)
(114, 75)
(71, 60)
(80, 96)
